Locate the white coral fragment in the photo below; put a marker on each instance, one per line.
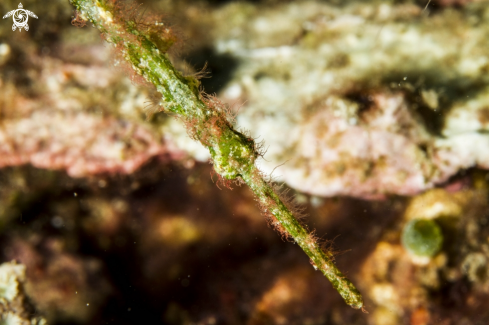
(10, 275)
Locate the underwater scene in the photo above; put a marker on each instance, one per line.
(219, 162)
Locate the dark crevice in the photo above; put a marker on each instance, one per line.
(220, 67)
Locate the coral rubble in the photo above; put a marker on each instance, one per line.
(14, 306)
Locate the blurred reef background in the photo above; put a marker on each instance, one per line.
(375, 112)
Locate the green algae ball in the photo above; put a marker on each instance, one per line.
(422, 237)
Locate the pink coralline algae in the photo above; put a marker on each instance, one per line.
(80, 143)
(339, 154)
(84, 119)
(383, 150)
